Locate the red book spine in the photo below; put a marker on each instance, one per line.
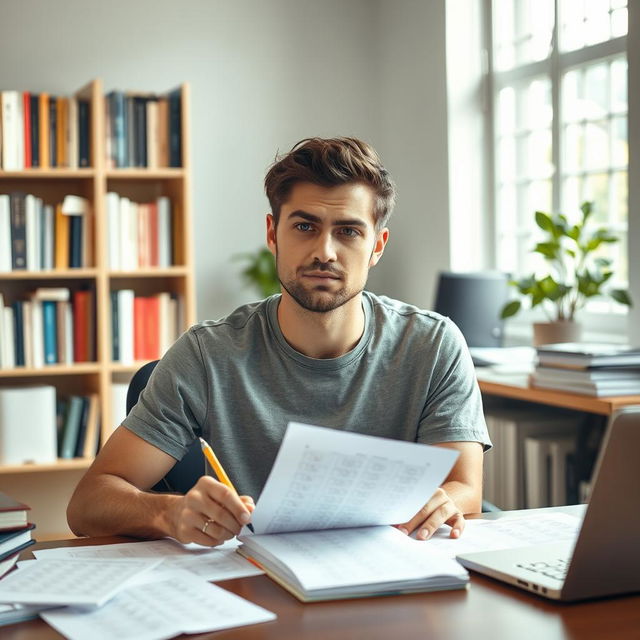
(26, 121)
(82, 326)
(152, 329)
(139, 326)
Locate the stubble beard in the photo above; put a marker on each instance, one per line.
(311, 299)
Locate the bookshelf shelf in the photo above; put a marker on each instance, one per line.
(38, 174)
(51, 370)
(53, 274)
(173, 285)
(146, 174)
(59, 465)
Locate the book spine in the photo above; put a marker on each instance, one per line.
(35, 130)
(43, 137)
(71, 427)
(18, 326)
(61, 132)
(113, 225)
(83, 342)
(31, 232)
(115, 331)
(152, 328)
(175, 128)
(50, 331)
(37, 334)
(12, 138)
(82, 428)
(75, 242)
(84, 137)
(61, 239)
(131, 131)
(119, 130)
(165, 235)
(5, 233)
(53, 128)
(9, 347)
(125, 325)
(18, 231)
(140, 115)
(139, 327)
(26, 122)
(73, 133)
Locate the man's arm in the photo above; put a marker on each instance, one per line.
(460, 493)
(113, 499)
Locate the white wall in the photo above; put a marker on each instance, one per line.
(263, 75)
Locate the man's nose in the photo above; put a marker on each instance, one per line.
(325, 248)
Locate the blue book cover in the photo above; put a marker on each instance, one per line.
(50, 331)
(84, 137)
(175, 128)
(71, 427)
(18, 331)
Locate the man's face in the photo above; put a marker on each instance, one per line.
(325, 243)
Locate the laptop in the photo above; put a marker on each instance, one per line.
(604, 560)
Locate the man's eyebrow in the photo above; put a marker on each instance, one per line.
(310, 217)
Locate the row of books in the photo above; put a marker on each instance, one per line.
(41, 130)
(533, 460)
(143, 327)
(15, 532)
(35, 236)
(143, 130)
(140, 234)
(78, 426)
(589, 369)
(53, 326)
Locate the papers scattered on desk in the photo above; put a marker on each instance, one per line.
(70, 581)
(180, 603)
(220, 563)
(509, 532)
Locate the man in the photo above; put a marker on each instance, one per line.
(323, 352)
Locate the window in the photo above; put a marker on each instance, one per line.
(558, 72)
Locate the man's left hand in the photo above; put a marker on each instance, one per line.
(441, 509)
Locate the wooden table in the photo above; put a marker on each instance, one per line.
(488, 609)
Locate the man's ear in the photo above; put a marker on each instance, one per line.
(271, 233)
(378, 248)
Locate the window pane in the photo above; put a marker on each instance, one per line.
(620, 142)
(506, 122)
(619, 23)
(539, 156)
(596, 145)
(619, 85)
(571, 195)
(619, 198)
(596, 94)
(596, 190)
(571, 20)
(539, 196)
(539, 109)
(573, 145)
(587, 22)
(571, 105)
(596, 25)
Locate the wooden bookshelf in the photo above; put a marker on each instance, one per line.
(93, 183)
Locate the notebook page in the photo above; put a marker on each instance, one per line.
(326, 479)
(156, 610)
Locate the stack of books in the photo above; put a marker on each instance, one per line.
(591, 369)
(15, 532)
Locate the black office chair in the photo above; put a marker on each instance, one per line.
(185, 473)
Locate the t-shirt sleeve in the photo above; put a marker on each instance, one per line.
(453, 410)
(172, 407)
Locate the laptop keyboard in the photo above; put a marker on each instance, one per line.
(556, 569)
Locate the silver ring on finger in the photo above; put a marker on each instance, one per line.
(205, 525)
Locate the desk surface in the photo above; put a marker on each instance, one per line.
(488, 609)
(515, 385)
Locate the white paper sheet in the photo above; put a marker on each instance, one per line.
(219, 563)
(326, 479)
(62, 581)
(507, 533)
(180, 603)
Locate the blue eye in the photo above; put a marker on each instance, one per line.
(303, 226)
(350, 232)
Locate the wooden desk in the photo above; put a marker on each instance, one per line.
(516, 386)
(488, 609)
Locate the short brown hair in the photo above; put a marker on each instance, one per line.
(330, 162)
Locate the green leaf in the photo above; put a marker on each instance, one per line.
(587, 209)
(574, 232)
(570, 252)
(622, 296)
(548, 249)
(510, 309)
(543, 220)
(603, 262)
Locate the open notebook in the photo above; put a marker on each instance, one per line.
(321, 525)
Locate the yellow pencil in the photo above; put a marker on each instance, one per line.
(215, 463)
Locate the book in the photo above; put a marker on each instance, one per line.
(18, 231)
(13, 514)
(13, 541)
(175, 127)
(321, 524)
(34, 109)
(26, 121)
(12, 137)
(37, 444)
(83, 326)
(584, 355)
(5, 233)
(598, 388)
(84, 136)
(43, 109)
(50, 330)
(92, 433)
(82, 430)
(71, 427)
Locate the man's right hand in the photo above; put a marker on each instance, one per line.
(210, 513)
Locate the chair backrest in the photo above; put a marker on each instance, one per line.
(473, 301)
(185, 473)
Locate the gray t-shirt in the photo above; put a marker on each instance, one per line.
(237, 383)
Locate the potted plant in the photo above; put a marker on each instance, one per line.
(260, 271)
(576, 273)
